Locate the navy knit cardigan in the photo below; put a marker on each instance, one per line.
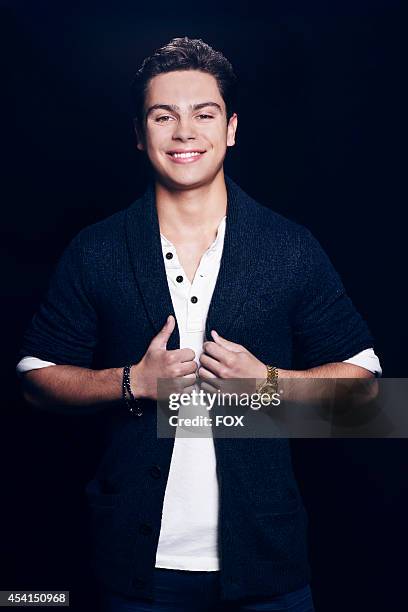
(278, 295)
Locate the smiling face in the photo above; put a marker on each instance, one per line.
(186, 133)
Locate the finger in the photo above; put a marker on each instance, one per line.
(210, 364)
(182, 385)
(188, 368)
(228, 344)
(204, 373)
(192, 375)
(187, 381)
(161, 339)
(210, 384)
(189, 389)
(186, 354)
(208, 387)
(176, 385)
(216, 351)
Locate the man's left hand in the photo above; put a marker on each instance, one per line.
(225, 359)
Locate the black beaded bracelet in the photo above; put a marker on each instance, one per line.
(132, 403)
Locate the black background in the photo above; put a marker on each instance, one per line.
(319, 140)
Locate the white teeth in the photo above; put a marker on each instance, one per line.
(193, 154)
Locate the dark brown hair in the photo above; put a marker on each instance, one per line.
(184, 54)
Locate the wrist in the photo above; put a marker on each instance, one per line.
(269, 381)
(132, 402)
(136, 381)
(108, 382)
(262, 371)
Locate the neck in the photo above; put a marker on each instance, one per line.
(197, 211)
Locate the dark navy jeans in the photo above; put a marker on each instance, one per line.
(182, 591)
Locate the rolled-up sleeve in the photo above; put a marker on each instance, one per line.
(327, 327)
(64, 329)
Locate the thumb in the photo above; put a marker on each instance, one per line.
(161, 339)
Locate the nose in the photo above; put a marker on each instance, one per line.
(184, 130)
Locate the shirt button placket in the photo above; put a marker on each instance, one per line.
(194, 306)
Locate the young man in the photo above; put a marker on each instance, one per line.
(191, 523)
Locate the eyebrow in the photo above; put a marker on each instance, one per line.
(174, 108)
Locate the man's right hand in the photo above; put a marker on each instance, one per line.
(158, 362)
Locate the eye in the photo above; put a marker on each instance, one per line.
(206, 116)
(158, 119)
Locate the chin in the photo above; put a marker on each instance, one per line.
(187, 179)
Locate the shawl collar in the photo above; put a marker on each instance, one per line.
(236, 267)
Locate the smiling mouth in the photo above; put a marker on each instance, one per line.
(186, 155)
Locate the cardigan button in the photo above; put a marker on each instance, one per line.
(145, 529)
(169, 255)
(179, 279)
(155, 471)
(194, 299)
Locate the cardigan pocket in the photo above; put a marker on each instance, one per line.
(281, 531)
(280, 536)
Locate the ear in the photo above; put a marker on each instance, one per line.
(231, 129)
(139, 135)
